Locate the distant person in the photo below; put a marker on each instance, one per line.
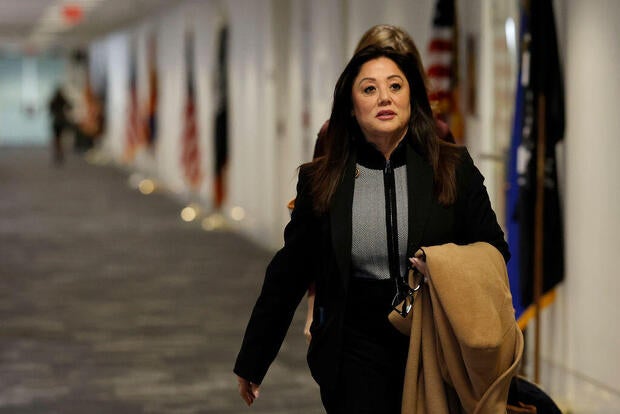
(59, 108)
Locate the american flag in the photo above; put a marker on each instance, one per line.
(190, 158)
(221, 122)
(150, 121)
(442, 68)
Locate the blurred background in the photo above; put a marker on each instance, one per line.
(148, 150)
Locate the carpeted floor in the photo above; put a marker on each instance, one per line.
(109, 303)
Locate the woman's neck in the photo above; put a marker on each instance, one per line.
(386, 144)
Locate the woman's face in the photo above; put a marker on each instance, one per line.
(381, 100)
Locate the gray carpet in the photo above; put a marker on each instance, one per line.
(109, 303)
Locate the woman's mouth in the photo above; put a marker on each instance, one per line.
(385, 115)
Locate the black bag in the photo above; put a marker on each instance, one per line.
(524, 397)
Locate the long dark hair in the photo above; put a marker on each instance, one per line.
(326, 171)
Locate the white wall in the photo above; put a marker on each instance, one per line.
(413, 16)
(252, 163)
(163, 162)
(172, 75)
(116, 102)
(326, 57)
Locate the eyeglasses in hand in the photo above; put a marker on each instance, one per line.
(404, 297)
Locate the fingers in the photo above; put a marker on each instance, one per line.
(307, 333)
(254, 388)
(244, 388)
(248, 390)
(420, 265)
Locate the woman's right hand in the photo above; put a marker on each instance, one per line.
(248, 390)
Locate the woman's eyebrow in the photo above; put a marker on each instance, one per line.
(368, 78)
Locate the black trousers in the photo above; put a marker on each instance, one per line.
(374, 355)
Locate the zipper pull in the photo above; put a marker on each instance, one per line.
(388, 166)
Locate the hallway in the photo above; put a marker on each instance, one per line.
(109, 303)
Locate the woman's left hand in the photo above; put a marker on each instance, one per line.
(421, 266)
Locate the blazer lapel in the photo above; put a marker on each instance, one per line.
(420, 191)
(340, 217)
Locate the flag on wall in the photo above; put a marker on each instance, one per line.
(135, 137)
(190, 158)
(512, 187)
(135, 130)
(541, 78)
(442, 68)
(221, 121)
(151, 104)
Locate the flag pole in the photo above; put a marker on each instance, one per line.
(538, 228)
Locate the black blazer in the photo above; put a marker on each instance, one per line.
(318, 248)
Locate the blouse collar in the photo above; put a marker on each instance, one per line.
(370, 157)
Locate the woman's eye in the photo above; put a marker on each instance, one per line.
(369, 89)
(396, 86)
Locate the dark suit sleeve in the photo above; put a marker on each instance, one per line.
(286, 280)
(476, 218)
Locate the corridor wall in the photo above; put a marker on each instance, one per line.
(580, 358)
(172, 87)
(252, 174)
(130, 47)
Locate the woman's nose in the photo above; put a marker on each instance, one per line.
(384, 96)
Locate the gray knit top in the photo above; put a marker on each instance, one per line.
(369, 252)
